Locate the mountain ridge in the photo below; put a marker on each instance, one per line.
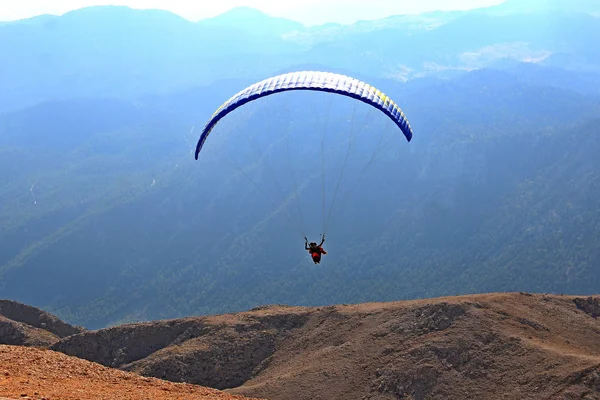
(515, 345)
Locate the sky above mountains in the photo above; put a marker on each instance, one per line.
(309, 12)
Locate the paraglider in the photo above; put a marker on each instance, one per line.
(310, 81)
(315, 249)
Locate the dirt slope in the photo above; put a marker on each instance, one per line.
(509, 346)
(30, 373)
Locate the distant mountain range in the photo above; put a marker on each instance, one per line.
(117, 51)
(105, 216)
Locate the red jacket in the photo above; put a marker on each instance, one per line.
(318, 250)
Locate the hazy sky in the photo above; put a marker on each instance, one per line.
(309, 12)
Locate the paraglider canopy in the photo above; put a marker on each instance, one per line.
(310, 80)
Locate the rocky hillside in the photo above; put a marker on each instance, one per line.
(510, 346)
(29, 373)
(24, 325)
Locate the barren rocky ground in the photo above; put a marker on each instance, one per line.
(489, 346)
(32, 373)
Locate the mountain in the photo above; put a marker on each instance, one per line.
(106, 217)
(510, 345)
(470, 41)
(113, 51)
(24, 325)
(536, 74)
(116, 222)
(591, 7)
(252, 21)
